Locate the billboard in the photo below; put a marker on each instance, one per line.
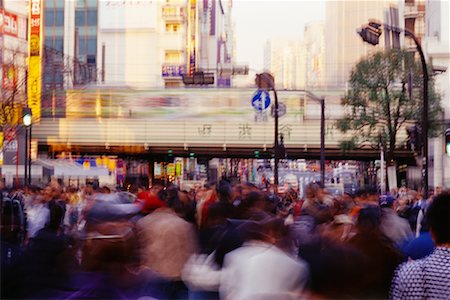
(131, 14)
(34, 59)
(9, 23)
(192, 36)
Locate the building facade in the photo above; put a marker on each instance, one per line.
(286, 60)
(344, 47)
(436, 44)
(314, 41)
(155, 42)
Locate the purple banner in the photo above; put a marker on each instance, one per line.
(212, 25)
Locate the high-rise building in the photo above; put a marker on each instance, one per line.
(314, 41)
(344, 47)
(216, 42)
(285, 59)
(69, 51)
(436, 45)
(153, 43)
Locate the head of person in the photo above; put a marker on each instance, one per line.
(386, 201)
(369, 219)
(312, 191)
(225, 191)
(438, 218)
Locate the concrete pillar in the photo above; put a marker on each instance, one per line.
(438, 155)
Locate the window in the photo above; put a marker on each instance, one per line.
(409, 24)
(48, 41)
(81, 46)
(59, 17)
(80, 18)
(59, 44)
(49, 18)
(172, 27)
(173, 56)
(92, 17)
(91, 46)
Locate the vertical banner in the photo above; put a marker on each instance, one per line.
(34, 59)
(2, 46)
(192, 36)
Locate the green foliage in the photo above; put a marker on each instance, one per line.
(379, 102)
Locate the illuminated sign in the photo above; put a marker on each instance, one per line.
(9, 23)
(9, 78)
(34, 59)
(192, 36)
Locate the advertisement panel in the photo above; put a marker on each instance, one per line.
(192, 37)
(34, 59)
(131, 14)
(9, 23)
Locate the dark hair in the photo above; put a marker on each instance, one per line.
(369, 218)
(438, 217)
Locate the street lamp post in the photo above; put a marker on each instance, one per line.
(26, 112)
(370, 33)
(266, 81)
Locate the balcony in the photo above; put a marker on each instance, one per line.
(172, 13)
(172, 71)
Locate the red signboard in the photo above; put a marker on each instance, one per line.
(8, 23)
(35, 27)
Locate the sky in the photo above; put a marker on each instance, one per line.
(256, 21)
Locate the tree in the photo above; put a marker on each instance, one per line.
(385, 97)
(13, 87)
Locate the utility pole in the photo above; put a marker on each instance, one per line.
(265, 81)
(370, 33)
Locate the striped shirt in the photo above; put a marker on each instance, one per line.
(427, 278)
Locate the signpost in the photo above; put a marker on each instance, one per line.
(261, 100)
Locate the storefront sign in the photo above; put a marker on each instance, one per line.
(9, 23)
(34, 60)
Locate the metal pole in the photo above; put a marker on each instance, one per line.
(424, 114)
(25, 163)
(322, 142)
(29, 156)
(277, 158)
(382, 183)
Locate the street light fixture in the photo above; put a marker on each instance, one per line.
(370, 33)
(265, 81)
(27, 122)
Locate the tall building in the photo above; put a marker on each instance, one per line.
(414, 18)
(344, 47)
(69, 51)
(436, 44)
(155, 42)
(314, 41)
(285, 59)
(216, 43)
(140, 40)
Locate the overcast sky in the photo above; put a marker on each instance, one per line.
(259, 20)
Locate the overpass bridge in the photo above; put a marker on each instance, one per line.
(207, 122)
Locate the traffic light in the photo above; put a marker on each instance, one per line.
(447, 141)
(265, 81)
(414, 141)
(371, 33)
(198, 78)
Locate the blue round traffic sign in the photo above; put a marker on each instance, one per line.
(261, 100)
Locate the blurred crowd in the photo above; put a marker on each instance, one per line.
(223, 241)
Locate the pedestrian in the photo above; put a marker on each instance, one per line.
(428, 278)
